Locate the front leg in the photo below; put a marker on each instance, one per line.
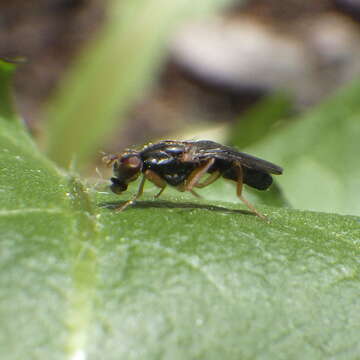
(135, 197)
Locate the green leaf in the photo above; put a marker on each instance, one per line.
(171, 278)
(198, 280)
(113, 72)
(44, 229)
(174, 278)
(319, 154)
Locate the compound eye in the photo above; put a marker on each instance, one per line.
(127, 169)
(132, 162)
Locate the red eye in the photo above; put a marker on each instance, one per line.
(132, 162)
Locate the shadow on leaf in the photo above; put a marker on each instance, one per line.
(161, 204)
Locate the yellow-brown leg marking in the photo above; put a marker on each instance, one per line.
(213, 177)
(239, 187)
(196, 175)
(156, 180)
(138, 194)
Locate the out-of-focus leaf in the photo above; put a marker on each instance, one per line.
(12, 126)
(320, 155)
(260, 120)
(7, 69)
(113, 72)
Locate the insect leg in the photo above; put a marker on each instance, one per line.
(137, 195)
(196, 194)
(196, 175)
(156, 180)
(160, 192)
(213, 177)
(239, 187)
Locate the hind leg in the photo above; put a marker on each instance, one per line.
(196, 175)
(239, 188)
(212, 178)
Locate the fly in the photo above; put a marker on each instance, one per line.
(182, 164)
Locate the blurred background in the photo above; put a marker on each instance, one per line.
(254, 74)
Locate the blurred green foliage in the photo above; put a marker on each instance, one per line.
(112, 73)
(261, 120)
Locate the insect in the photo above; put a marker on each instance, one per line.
(182, 164)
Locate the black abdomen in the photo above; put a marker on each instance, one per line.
(257, 179)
